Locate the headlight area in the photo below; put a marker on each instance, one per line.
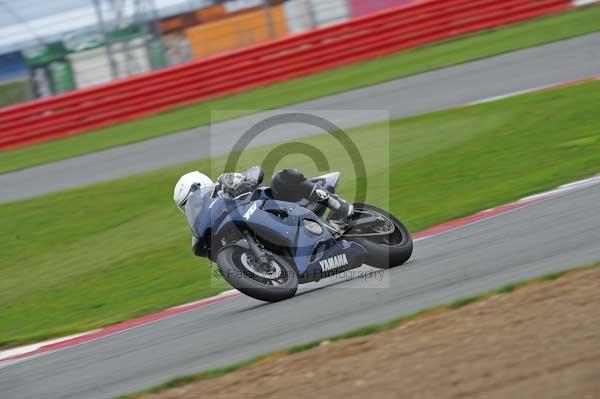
(313, 227)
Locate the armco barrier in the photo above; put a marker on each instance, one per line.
(363, 38)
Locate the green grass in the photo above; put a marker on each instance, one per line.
(89, 257)
(14, 92)
(360, 332)
(489, 43)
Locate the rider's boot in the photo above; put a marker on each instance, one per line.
(340, 210)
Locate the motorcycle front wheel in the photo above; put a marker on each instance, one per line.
(272, 282)
(383, 250)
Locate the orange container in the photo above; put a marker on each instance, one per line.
(211, 13)
(238, 31)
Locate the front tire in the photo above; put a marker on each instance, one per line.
(233, 262)
(386, 251)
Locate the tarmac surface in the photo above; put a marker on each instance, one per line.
(546, 237)
(550, 236)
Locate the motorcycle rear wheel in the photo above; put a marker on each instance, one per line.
(232, 261)
(384, 252)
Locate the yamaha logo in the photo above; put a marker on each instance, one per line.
(333, 262)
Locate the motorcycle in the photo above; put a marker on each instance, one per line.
(265, 248)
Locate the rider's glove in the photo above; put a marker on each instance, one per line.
(236, 184)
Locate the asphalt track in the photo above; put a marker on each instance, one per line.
(549, 236)
(527, 69)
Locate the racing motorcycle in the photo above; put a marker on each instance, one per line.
(265, 247)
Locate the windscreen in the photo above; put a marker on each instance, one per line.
(197, 203)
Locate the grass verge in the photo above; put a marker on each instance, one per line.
(444, 54)
(14, 92)
(360, 332)
(84, 258)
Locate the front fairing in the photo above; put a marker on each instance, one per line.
(198, 211)
(262, 216)
(281, 224)
(218, 221)
(206, 213)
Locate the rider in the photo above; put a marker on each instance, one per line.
(287, 185)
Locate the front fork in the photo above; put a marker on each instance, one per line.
(253, 246)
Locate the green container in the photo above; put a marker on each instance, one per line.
(61, 76)
(156, 54)
(50, 70)
(44, 53)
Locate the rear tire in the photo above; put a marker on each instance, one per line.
(384, 252)
(229, 261)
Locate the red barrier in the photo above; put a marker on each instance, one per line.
(363, 38)
(359, 8)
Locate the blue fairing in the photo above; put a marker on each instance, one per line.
(278, 223)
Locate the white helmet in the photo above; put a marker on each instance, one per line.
(187, 184)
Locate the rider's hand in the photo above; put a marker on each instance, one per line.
(236, 184)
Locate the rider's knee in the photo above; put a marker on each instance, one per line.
(290, 185)
(291, 176)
